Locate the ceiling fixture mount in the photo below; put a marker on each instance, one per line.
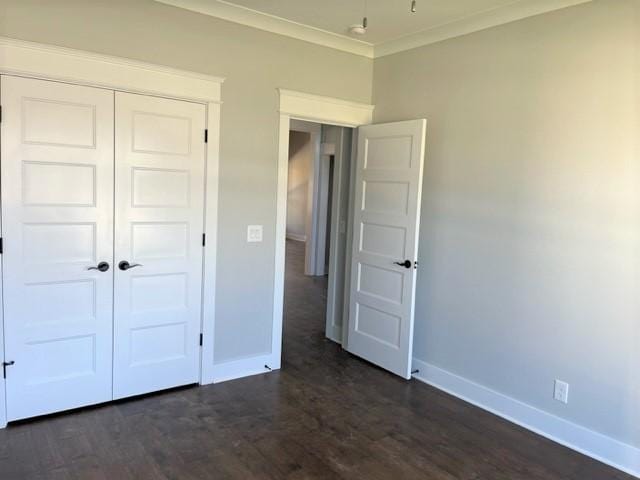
(357, 29)
(360, 28)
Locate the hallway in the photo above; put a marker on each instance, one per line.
(325, 415)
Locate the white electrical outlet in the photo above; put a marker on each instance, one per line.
(561, 391)
(254, 233)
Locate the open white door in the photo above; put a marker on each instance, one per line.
(57, 216)
(158, 243)
(388, 188)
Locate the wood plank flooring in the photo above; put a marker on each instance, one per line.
(325, 415)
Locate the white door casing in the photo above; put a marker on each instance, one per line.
(57, 215)
(386, 220)
(160, 159)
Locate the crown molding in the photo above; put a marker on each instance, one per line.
(271, 23)
(491, 18)
(517, 10)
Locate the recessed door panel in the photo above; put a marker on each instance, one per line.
(386, 197)
(58, 122)
(378, 325)
(160, 187)
(58, 243)
(159, 240)
(162, 134)
(57, 216)
(58, 184)
(159, 225)
(383, 283)
(385, 243)
(60, 301)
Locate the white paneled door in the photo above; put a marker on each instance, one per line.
(388, 188)
(102, 216)
(57, 217)
(160, 158)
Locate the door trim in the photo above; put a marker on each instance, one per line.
(47, 62)
(312, 108)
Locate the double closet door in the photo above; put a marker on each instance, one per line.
(102, 219)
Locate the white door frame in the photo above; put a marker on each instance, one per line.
(312, 108)
(34, 60)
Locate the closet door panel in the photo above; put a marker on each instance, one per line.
(159, 224)
(57, 214)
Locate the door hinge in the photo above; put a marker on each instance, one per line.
(0, 113)
(201, 339)
(1, 246)
(204, 239)
(206, 135)
(4, 368)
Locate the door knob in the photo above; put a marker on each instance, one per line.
(124, 265)
(405, 264)
(102, 266)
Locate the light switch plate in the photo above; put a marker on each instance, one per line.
(254, 233)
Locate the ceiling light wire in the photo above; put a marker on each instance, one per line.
(365, 22)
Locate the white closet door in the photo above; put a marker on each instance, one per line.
(388, 188)
(160, 158)
(57, 204)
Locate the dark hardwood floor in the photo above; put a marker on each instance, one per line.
(325, 415)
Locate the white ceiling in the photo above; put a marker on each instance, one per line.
(392, 27)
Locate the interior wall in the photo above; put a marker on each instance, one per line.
(300, 159)
(254, 63)
(530, 235)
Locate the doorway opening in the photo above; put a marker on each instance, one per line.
(318, 185)
(381, 238)
(380, 242)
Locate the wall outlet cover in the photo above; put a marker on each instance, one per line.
(561, 391)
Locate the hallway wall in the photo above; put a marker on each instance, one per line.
(300, 168)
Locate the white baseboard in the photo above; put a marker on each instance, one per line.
(244, 368)
(593, 444)
(297, 237)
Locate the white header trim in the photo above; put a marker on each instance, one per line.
(231, 12)
(306, 106)
(18, 57)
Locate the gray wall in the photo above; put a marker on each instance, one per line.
(255, 63)
(530, 235)
(300, 163)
